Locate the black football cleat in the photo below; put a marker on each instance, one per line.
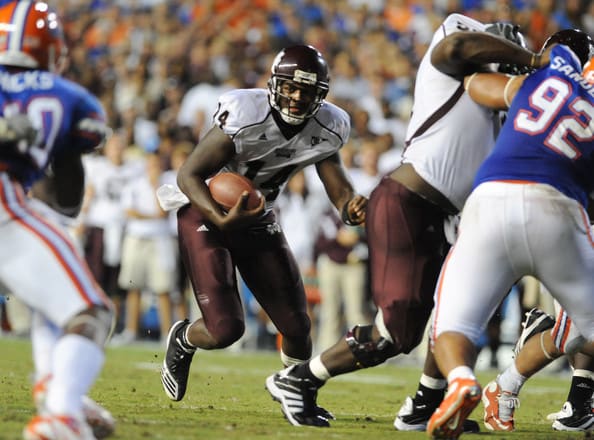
(297, 397)
(414, 416)
(536, 321)
(176, 366)
(575, 419)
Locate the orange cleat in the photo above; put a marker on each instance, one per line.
(499, 408)
(447, 422)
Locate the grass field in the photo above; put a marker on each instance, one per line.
(226, 399)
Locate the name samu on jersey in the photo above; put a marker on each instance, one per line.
(563, 67)
(263, 153)
(68, 116)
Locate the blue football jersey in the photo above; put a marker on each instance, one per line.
(70, 120)
(548, 136)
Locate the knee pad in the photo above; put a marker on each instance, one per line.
(95, 324)
(367, 351)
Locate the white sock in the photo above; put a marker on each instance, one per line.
(463, 372)
(77, 362)
(583, 373)
(187, 337)
(318, 369)
(289, 361)
(511, 380)
(433, 383)
(44, 336)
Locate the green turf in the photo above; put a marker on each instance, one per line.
(226, 399)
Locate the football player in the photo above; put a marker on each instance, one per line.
(525, 216)
(72, 316)
(535, 347)
(266, 136)
(448, 137)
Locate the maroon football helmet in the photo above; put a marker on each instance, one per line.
(301, 67)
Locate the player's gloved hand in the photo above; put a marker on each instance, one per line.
(239, 216)
(511, 32)
(18, 131)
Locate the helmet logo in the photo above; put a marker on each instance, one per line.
(303, 77)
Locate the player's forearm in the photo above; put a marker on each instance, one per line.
(493, 90)
(463, 53)
(63, 186)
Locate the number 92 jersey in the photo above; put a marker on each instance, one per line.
(548, 135)
(263, 154)
(70, 120)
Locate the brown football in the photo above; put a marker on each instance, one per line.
(226, 188)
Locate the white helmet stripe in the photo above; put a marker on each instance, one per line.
(18, 21)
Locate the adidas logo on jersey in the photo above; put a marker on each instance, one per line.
(202, 228)
(263, 137)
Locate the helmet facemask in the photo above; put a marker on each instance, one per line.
(282, 92)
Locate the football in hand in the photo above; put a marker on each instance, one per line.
(226, 189)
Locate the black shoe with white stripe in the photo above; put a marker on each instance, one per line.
(176, 366)
(297, 397)
(572, 418)
(414, 416)
(536, 321)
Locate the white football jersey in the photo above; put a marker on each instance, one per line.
(449, 135)
(264, 155)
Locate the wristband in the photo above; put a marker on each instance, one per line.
(535, 61)
(344, 214)
(506, 90)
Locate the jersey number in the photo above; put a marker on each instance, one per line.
(547, 99)
(46, 114)
(274, 182)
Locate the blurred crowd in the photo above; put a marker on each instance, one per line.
(158, 67)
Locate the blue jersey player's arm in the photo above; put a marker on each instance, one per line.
(62, 187)
(493, 90)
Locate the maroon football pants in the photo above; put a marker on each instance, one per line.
(266, 264)
(407, 247)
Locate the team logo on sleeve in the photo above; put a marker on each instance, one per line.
(315, 140)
